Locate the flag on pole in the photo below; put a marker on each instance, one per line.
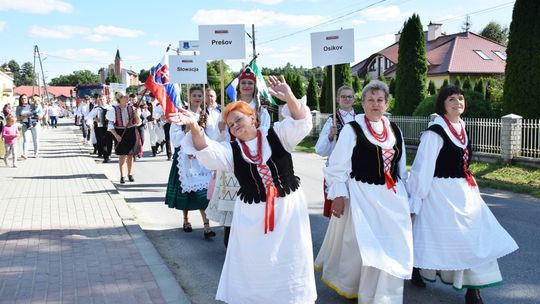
(261, 85)
(166, 93)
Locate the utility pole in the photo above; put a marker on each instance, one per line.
(38, 56)
(253, 39)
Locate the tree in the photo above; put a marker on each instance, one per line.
(343, 76)
(312, 95)
(143, 74)
(112, 78)
(298, 86)
(214, 78)
(495, 32)
(26, 76)
(457, 82)
(77, 77)
(467, 84)
(521, 93)
(411, 71)
(431, 88)
(392, 86)
(445, 83)
(132, 89)
(356, 84)
(367, 79)
(479, 86)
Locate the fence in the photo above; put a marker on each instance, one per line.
(506, 139)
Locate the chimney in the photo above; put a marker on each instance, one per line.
(434, 31)
(397, 35)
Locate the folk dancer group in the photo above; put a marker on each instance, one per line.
(386, 225)
(384, 221)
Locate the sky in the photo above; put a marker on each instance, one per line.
(78, 35)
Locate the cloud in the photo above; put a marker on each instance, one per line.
(88, 55)
(257, 17)
(98, 34)
(157, 43)
(2, 25)
(117, 31)
(58, 32)
(267, 2)
(381, 14)
(36, 6)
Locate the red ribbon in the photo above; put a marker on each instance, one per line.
(390, 183)
(269, 221)
(469, 178)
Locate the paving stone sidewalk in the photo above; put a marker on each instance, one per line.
(67, 237)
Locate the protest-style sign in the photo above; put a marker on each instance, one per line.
(226, 41)
(332, 47)
(187, 69)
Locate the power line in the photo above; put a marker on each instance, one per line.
(323, 23)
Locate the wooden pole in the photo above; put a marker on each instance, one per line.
(222, 79)
(204, 97)
(333, 95)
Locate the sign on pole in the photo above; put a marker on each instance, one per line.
(226, 41)
(187, 69)
(188, 45)
(332, 47)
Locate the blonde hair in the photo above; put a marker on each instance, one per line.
(10, 119)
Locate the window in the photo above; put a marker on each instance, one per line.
(482, 55)
(372, 65)
(500, 54)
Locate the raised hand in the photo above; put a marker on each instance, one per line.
(183, 117)
(280, 89)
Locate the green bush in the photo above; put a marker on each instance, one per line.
(477, 106)
(426, 107)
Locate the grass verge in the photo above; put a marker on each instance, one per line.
(514, 178)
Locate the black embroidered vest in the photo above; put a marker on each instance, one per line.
(450, 159)
(367, 159)
(252, 188)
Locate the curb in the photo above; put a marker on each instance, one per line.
(170, 288)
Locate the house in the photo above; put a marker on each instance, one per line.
(63, 94)
(6, 87)
(127, 77)
(448, 56)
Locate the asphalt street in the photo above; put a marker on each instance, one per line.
(196, 263)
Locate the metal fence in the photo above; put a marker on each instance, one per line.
(530, 138)
(485, 134)
(411, 127)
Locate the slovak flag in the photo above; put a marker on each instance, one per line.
(167, 94)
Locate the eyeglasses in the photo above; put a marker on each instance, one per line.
(347, 96)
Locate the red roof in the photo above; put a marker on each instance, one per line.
(449, 54)
(55, 91)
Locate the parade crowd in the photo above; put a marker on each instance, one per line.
(234, 166)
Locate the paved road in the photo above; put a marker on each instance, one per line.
(65, 236)
(197, 263)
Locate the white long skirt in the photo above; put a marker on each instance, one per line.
(276, 267)
(487, 275)
(340, 261)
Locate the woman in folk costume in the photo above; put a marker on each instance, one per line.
(330, 132)
(367, 249)
(123, 121)
(188, 180)
(455, 234)
(221, 206)
(269, 258)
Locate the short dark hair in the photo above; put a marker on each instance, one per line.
(132, 95)
(96, 95)
(443, 95)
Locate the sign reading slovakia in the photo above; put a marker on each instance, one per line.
(227, 41)
(187, 69)
(332, 47)
(188, 45)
